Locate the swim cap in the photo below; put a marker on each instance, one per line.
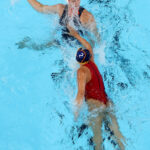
(83, 55)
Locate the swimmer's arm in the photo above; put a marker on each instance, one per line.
(85, 43)
(45, 8)
(81, 78)
(90, 39)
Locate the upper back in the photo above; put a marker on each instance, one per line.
(95, 76)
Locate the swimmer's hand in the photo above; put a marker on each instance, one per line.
(110, 103)
(76, 114)
(73, 32)
(77, 105)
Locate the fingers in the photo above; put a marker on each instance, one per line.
(72, 31)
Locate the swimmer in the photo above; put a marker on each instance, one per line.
(73, 14)
(91, 87)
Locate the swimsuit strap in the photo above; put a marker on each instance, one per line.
(81, 9)
(63, 19)
(76, 20)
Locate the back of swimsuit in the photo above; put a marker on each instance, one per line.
(95, 87)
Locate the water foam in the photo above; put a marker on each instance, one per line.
(100, 52)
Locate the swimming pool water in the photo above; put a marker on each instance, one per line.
(38, 87)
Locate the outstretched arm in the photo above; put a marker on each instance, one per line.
(85, 43)
(45, 8)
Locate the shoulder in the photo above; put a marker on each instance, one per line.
(81, 74)
(84, 73)
(83, 70)
(86, 17)
(60, 8)
(87, 13)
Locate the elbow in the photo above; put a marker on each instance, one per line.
(39, 8)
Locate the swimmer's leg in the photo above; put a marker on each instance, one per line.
(27, 43)
(22, 44)
(96, 124)
(115, 128)
(107, 129)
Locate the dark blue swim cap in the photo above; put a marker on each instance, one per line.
(83, 55)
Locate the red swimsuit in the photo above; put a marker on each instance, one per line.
(95, 87)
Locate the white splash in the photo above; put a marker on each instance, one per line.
(101, 53)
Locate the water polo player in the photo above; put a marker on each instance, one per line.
(91, 88)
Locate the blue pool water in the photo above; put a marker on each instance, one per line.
(38, 87)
